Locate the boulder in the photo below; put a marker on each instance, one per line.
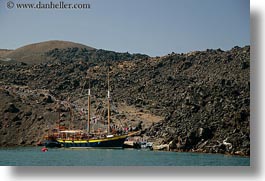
(12, 108)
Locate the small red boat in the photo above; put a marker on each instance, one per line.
(44, 149)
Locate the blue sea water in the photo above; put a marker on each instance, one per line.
(33, 156)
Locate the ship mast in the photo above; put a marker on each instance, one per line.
(71, 122)
(88, 119)
(59, 117)
(108, 104)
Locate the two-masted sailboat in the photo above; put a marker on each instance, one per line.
(88, 139)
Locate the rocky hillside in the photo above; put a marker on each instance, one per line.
(199, 100)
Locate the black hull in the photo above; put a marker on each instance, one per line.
(104, 143)
(52, 144)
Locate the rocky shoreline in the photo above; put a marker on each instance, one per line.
(202, 97)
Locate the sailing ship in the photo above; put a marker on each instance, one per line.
(88, 139)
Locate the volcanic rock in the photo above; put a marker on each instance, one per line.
(203, 97)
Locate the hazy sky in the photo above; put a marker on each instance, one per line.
(153, 27)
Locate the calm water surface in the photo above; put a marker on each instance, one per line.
(31, 156)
